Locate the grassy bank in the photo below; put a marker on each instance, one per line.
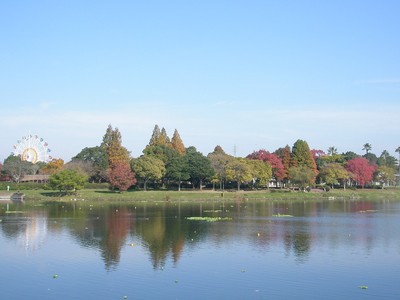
(101, 195)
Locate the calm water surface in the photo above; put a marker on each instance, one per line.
(262, 250)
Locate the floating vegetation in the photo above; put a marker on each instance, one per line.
(363, 287)
(212, 211)
(208, 219)
(55, 276)
(282, 216)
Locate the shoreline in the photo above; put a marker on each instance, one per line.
(105, 196)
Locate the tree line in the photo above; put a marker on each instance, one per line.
(167, 163)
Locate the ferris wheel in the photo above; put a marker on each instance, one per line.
(33, 149)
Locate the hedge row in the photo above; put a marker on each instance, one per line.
(13, 186)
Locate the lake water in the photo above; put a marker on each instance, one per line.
(257, 250)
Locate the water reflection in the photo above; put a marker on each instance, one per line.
(163, 230)
(29, 231)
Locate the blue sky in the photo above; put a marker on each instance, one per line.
(250, 74)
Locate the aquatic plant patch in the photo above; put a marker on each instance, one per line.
(282, 216)
(208, 219)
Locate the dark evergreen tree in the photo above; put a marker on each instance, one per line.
(199, 166)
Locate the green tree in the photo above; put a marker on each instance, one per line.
(218, 150)
(219, 161)
(387, 160)
(349, 155)
(148, 168)
(178, 169)
(159, 137)
(385, 155)
(67, 181)
(371, 157)
(199, 166)
(325, 160)
(334, 173)
(367, 147)
(98, 158)
(302, 157)
(155, 137)
(398, 151)
(16, 168)
(385, 175)
(239, 170)
(162, 152)
(261, 171)
(332, 151)
(302, 176)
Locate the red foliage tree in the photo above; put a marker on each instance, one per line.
(278, 171)
(118, 223)
(121, 176)
(285, 155)
(317, 153)
(361, 169)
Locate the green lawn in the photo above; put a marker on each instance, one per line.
(94, 195)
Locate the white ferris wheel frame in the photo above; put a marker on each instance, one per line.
(32, 148)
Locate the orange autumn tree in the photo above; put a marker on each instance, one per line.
(121, 176)
(177, 143)
(112, 143)
(52, 167)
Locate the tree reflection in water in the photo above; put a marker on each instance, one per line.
(164, 231)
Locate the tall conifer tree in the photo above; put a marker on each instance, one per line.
(218, 149)
(302, 156)
(155, 137)
(164, 139)
(177, 143)
(112, 143)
